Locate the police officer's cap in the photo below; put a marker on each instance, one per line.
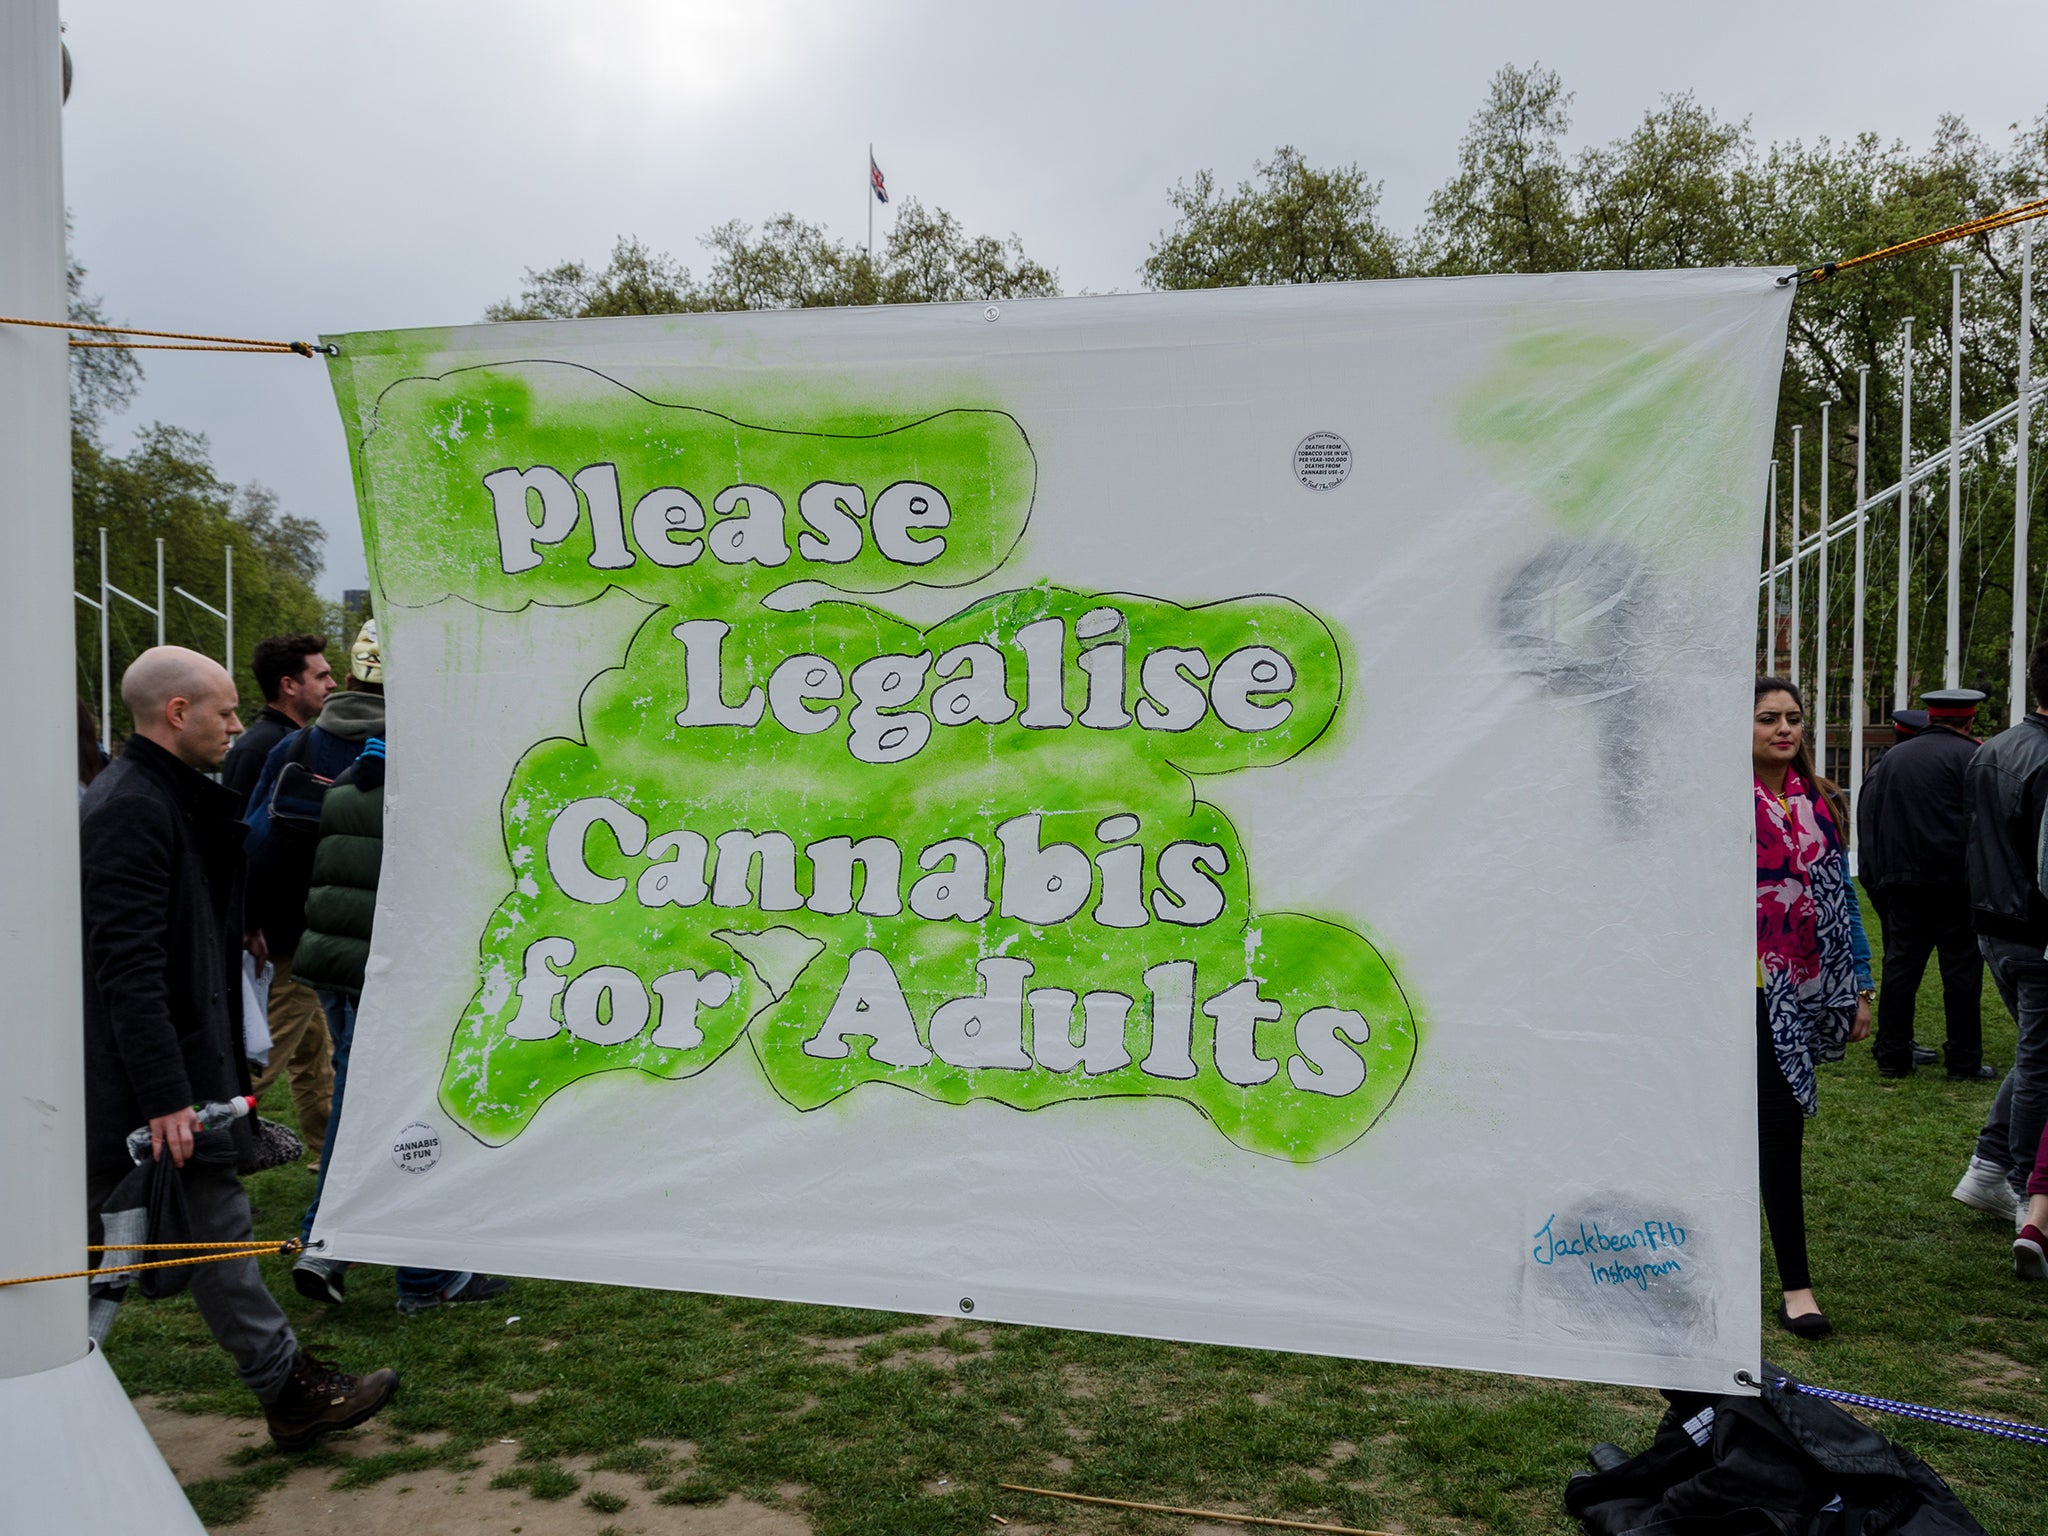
(1944, 704)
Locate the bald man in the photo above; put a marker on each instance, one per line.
(161, 864)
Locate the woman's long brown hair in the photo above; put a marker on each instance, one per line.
(1830, 791)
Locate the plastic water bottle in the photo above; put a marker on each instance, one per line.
(211, 1118)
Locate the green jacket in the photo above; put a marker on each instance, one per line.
(341, 903)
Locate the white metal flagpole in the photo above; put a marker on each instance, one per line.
(1899, 694)
(2022, 503)
(1771, 596)
(73, 1454)
(1820, 615)
(1792, 503)
(1952, 660)
(1856, 700)
(159, 591)
(228, 618)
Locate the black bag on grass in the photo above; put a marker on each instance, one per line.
(1780, 1464)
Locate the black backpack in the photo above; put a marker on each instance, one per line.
(1784, 1463)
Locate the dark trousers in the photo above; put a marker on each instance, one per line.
(1781, 1147)
(1919, 922)
(233, 1301)
(2012, 1135)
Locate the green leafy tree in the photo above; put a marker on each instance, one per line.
(1509, 208)
(103, 379)
(930, 259)
(636, 281)
(166, 488)
(1296, 225)
(788, 263)
(1662, 196)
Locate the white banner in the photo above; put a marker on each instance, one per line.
(1216, 815)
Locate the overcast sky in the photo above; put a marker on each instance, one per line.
(289, 169)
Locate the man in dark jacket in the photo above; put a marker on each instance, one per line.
(283, 815)
(1912, 822)
(2008, 785)
(161, 869)
(293, 673)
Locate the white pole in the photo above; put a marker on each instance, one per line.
(1952, 661)
(159, 591)
(228, 618)
(1857, 706)
(868, 183)
(106, 657)
(73, 1455)
(1820, 616)
(1771, 597)
(1792, 503)
(42, 1132)
(1899, 681)
(2022, 507)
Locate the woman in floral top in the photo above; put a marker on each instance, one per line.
(1809, 973)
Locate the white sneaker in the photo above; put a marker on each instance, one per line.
(1983, 1188)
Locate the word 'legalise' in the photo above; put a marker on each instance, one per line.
(973, 686)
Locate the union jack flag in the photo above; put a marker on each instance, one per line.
(875, 180)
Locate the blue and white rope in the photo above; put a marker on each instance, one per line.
(1948, 1418)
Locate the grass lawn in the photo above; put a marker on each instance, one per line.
(867, 1412)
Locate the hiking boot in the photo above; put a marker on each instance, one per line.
(1983, 1187)
(318, 1398)
(320, 1279)
(474, 1288)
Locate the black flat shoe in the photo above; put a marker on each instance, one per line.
(1807, 1325)
(1893, 1074)
(1984, 1074)
(1925, 1055)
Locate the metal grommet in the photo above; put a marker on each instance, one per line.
(966, 1303)
(991, 313)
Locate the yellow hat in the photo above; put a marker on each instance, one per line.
(365, 658)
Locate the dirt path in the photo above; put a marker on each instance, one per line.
(439, 1500)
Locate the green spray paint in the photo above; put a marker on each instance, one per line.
(950, 858)
(1616, 436)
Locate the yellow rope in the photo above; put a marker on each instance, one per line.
(2003, 219)
(231, 343)
(173, 346)
(251, 1249)
(242, 1242)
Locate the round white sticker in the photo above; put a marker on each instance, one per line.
(1322, 461)
(417, 1149)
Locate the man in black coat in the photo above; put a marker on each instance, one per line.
(1912, 829)
(293, 673)
(161, 867)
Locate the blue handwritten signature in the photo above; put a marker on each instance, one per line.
(1592, 1242)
